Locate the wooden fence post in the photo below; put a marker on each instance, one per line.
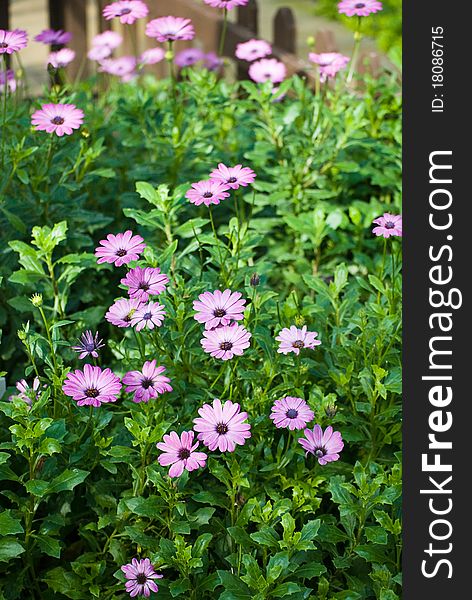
(248, 17)
(103, 24)
(72, 16)
(285, 31)
(5, 21)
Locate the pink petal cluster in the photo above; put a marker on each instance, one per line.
(353, 8)
(145, 282)
(233, 177)
(267, 69)
(92, 386)
(53, 37)
(124, 67)
(58, 118)
(290, 412)
(27, 393)
(148, 316)
(126, 10)
(253, 50)
(293, 339)
(152, 56)
(180, 453)
(140, 575)
(188, 57)
(120, 249)
(12, 41)
(324, 446)
(147, 383)
(219, 308)
(329, 63)
(226, 4)
(10, 79)
(170, 29)
(207, 192)
(122, 311)
(61, 58)
(226, 341)
(103, 45)
(222, 426)
(388, 225)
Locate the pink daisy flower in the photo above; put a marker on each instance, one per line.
(207, 192)
(233, 176)
(58, 118)
(27, 393)
(140, 575)
(222, 426)
(226, 4)
(253, 50)
(170, 29)
(123, 67)
(353, 8)
(142, 283)
(61, 58)
(92, 386)
(121, 312)
(219, 308)
(89, 345)
(388, 225)
(188, 57)
(227, 341)
(211, 61)
(111, 39)
(180, 453)
(293, 413)
(329, 63)
(152, 56)
(148, 383)
(325, 446)
(294, 339)
(12, 41)
(11, 81)
(126, 10)
(99, 53)
(148, 315)
(120, 249)
(267, 69)
(53, 37)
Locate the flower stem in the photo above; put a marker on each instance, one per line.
(4, 119)
(355, 52)
(223, 32)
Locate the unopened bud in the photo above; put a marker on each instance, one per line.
(255, 280)
(310, 41)
(37, 300)
(299, 321)
(21, 334)
(331, 410)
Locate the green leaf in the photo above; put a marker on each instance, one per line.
(310, 530)
(286, 589)
(180, 586)
(67, 480)
(9, 525)
(65, 583)
(9, 548)
(266, 536)
(235, 589)
(376, 535)
(49, 545)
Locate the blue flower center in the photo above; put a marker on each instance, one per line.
(57, 121)
(389, 225)
(292, 413)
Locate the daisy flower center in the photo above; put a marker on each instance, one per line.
(319, 452)
(292, 413)
(219, 312)
(184, 453)
(89, 346)
(57, 121)
(389, 225)
(360, 5)
(144, 286)
(226, 346)
(146, 383)
(125, 11)
(141, 578)
(3, 45)
(232, 180)
(147, 316)
(91, 392)
(121, 252)
(298, 344)
(222, 428)
(207, 195)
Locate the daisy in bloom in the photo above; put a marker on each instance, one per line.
(207, 192)
(152, 56)
(188, 57)
(121, 312)
(211, 61)
(57, 118)
(267, 69)
(92, 386)
(11, 81)
(226, 4)
(290, 412)
(140, 575)
(253, 50)
(353, 8)
(148, 315)
(123, 67)
(233, 176)
(225, 342)
(388, 225)
(294, 339)
(325, 446)
(142, 283)
(329, 63)
(218, 308)
(127, 11)
(89, 345)
(180, 453)
(148, 383)
(61, 58)
(170, 29)
(27, 393)
(103, 45)
(12, 41)
(222, 426)
(120, 249)
(53, 37)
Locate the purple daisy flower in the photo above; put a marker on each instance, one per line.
(388, 225)
(140, 575)
(126, 10)
(291, 412)
(27, 393)
(170, 29)
(225, 342)
(121, 312)
(294, 339)
(267, 69)
(120, 249)
(180, 453)
(226, 4)
(12, 41)
(207, 192)
(329, 63)
(222, 426)
(152, 56)
(353, 8)
(212, 61)
(92, 386)
(233, 176)
(57, 118)
(147, 383)
(89, 345)
(188, 57)
(124, 67)
(53, 37)
(219, 308)
(148, 315)
(325, 446)
(142, 283)
(11, 81)
(61, 58)
(253, 50)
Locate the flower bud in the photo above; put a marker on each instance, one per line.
(299, 321)
(37, 300)
(255, 280)
(331, 410)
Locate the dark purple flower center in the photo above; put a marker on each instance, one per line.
(360, 5)
(125, 11)
(207, 195)
(319, 452)
(141, 578)
(184, 453)
(144, 286)
(3, 45)
(89, 346)
(147, 316)
(219, 312)
(389, 225)
(298, 344)
(232, 180)
(292, 413)
(146, 383)
(127, 318)
(226, 346)
(91, 392)
(222, 428)
(57, 121)
(121, 252)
